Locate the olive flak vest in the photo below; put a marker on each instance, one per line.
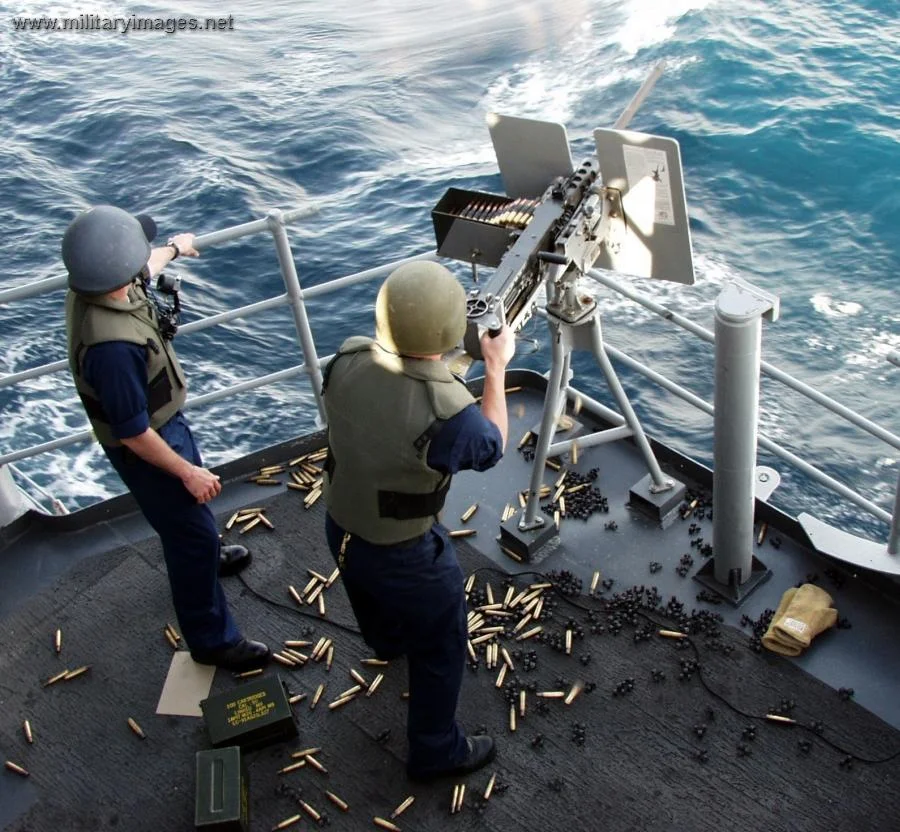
(96, 320)
(383, 410)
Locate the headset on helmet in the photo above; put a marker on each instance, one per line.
(420, 310)
(105, 248)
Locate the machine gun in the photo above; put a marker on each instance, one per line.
(622, 209)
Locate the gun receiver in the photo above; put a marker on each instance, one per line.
(622, 209)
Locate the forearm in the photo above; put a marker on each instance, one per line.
(493, 399)
(160, 258)
(152, 448)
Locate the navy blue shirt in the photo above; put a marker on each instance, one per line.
(467, 441)
(117, 370)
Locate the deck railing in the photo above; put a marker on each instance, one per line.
(295, 297)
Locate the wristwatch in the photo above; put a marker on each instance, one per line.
(174, 246)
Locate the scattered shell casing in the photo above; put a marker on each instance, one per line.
(784, 719)
(316, 764)
(322, 606)
(467, 514)
(511, 554)
(292, 767)
(286, 823)
(558, 493)
(573, 692)
(174, 633)
(172, 643)
(266, 522)
(358, 677)
(136, 728)
(74, 674)
(526, 619)
(287, 662)
(15, 767)
(762, 533)
(311, 498)
(26, 728)
(374, 662)
(231, 520)
(552, 465)
(317, 575)
(568, 642)
(471, 651)
(489, 593)
(248, 673)
(470, 582)
(329, 657)
(403, 807)
(295, 654)
(576, 405)
(317, 696)
(294, 486)
(350, 692)
(556, 519)
(455, 799)
(544, 585)
(315, 593)
(297, 643)
(562, 506)
(312, 582)
(337, 801)
(404, 694)
(462, 796)
(575, 488)
(385, 824)
(551, 694)
(672, 634)
(526, 438)
(509, 595)
(57, 642)
(522, 702)
(573, 453)
(508, 659)
(297, 697)
(490, 786)
(305, 752)
(482, 639)
(310, 811)
(538, 608)
(341, 701)
(523, 500)
(463, 533)
(560, 479)
(501, 677)
(513, 389)
(318, 648)
(295, 595)
(375, 683)
(251, 525)
(332, 577)
(54, 679)
(595, 580)
(277, 468)
(512, 717)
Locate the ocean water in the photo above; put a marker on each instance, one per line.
(788, 117)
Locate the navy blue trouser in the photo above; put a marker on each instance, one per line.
(190, 539)
(410, 600)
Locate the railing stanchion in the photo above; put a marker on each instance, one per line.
(275, 219)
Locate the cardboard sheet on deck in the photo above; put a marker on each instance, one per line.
(187, 684)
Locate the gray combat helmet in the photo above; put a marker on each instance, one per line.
(420, 310)
(105, 248)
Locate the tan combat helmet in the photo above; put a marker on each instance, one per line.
(420, 310)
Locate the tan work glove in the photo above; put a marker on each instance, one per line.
(802, 614)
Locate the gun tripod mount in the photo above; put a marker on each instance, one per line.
(574, 323)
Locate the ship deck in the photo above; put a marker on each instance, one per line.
(669, 754)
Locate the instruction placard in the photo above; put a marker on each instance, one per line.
(642, 162)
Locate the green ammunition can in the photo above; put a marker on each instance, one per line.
(251, 715)
(221, 800)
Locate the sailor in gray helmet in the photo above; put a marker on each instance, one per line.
(133, 388)
(400, 424)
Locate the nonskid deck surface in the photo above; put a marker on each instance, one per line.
(632, 760)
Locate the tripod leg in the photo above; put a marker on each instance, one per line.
(554, 399)
(660, 481)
